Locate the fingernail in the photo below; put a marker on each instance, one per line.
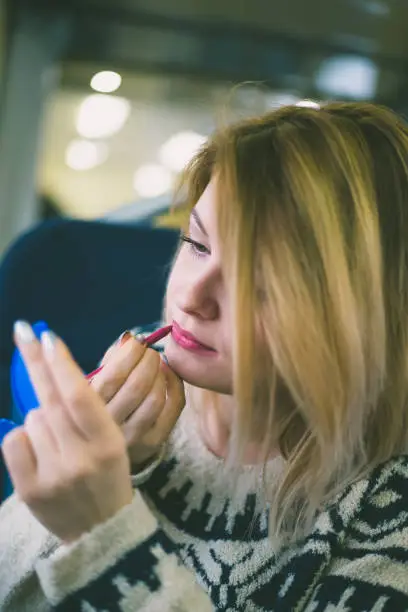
(48, 340)
(124, 337)
(24, 332)
(140, 338)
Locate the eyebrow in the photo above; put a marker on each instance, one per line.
(198, 221)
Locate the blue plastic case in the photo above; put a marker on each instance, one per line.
(22, 391)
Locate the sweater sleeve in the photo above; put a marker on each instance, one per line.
(127, 563)
(22, 540)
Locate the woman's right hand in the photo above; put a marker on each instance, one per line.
(144, 396)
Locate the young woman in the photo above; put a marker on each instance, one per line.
(284, 483)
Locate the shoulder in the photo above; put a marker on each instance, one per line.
(376, 543)
(367, 569)
(376, 504)
(381, 494)
(385, 505)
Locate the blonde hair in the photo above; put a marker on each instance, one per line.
(313, 222)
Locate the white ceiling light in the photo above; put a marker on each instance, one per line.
(84, 155)
(351, 76)
(179, 149)
(152, 180)
(106, 81)
(102, 115)
(308, 104)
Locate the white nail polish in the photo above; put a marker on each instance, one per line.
(48, 339)
(24, 332)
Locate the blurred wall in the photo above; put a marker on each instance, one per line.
(35, 40)
(2, 43)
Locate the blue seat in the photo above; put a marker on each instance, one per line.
(88, 280)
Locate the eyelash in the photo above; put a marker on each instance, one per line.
(196, 248)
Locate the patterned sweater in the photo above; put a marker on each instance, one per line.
(195, 539)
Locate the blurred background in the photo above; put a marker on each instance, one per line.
(102, 102)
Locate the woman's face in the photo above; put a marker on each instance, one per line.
(199, 349)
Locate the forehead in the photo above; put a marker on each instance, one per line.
(205, 206)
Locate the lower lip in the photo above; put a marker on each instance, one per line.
(190, 345)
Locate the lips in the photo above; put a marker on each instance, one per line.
(188, 340)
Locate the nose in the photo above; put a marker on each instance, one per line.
(199, 298)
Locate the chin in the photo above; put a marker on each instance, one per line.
(211, 379)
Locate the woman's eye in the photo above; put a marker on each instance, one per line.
(195, 247)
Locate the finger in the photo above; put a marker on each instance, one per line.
(141, 420)
(20, 460)
(36, 365)
(174, 404)
(79, 399)
(138, 385)
(42, 438)
(44, 385)
(117, 369)
(123, 338)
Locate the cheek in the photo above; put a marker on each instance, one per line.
(173, 284)
(169, 299)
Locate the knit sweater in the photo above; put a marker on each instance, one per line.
(195, 538)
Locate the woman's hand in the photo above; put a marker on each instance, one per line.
(69, 461)
(143, 396)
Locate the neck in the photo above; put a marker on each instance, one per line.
(215, 430)
(215, 425)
